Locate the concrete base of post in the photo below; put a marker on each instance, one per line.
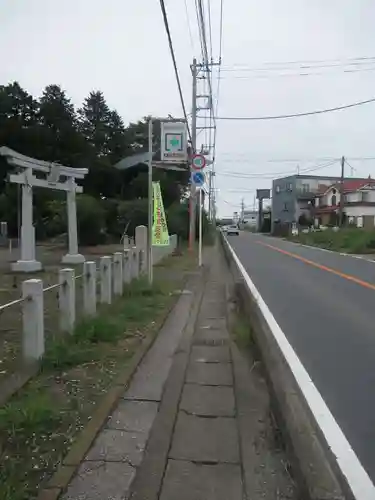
(73, 259)
(26, 266)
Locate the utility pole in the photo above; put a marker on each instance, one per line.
(150, 206)
(193, 194)
(210, 195)
(260, 214)
(242, 209)
(341, 205)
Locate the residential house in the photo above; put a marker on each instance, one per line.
(358, 208)
(294, 196)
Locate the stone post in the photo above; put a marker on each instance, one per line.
(105, 280)
(67, 300)
(32, 320)
(73, 256)
(127, 274)
(117, 273)
(135, 263)
(89, 288)
(27, 262)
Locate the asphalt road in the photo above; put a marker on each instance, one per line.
(325, 304)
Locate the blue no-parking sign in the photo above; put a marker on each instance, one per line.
(198, 178)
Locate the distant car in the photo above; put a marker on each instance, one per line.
(232, 231)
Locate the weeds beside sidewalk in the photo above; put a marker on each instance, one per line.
(349, 240)
(40, 423)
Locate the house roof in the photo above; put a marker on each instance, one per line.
(349, 185)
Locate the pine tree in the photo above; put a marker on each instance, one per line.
(95, 119)
(58, 120)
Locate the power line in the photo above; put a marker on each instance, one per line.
(209, 26)
(166, 25)
(294, 67)
(247, 157)
(297, 75)
(295, 115)
(219, 74)
(270, 175)
(189, 26)
(312, 61)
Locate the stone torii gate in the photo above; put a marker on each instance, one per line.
(25, 176)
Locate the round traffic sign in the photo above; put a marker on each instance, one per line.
(198, 162)
(198, 178)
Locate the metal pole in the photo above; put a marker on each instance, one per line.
(150, 206)
(210, 197)
(193, 194)
(200, 228)
(341, 205)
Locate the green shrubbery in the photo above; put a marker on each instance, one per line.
(350, 240)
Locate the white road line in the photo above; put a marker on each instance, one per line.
(350, 466)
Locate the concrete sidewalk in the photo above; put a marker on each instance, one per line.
(195, 422)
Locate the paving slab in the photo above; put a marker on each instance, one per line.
(149, 379)
(189, 481)
(205, 439)
(208, 401)
(209, 373)
(118, 446)
(212, 323)
(213, 310)
(211, 337)
(101, 481)
(136, 416)
(210, 354)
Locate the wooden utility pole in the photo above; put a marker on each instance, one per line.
(341, 205)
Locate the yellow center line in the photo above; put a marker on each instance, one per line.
(348, 277)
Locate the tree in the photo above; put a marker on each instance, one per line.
(95, 119)
(18, 114)
(63, 142)
(117, 145)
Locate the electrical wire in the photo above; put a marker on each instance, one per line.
(270, 175)
(189, 26)
(312, 61)
(247, 157)
(219, 75)
(296, 75)
(166, 25)
(200, 28)
(210, 26)
(294, 67)
(295, 115)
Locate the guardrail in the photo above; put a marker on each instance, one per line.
(327, 465)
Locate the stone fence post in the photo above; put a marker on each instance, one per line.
(89, 288)
(105, 280)
(67, 299)
(117, 273)
(32, 320)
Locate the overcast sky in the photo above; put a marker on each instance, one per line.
(120, 47)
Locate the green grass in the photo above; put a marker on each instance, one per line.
(242, 331)
(39, 424)
(349, 240)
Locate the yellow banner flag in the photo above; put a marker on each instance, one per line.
(160, 235)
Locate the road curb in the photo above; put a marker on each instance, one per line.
(66, 470)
